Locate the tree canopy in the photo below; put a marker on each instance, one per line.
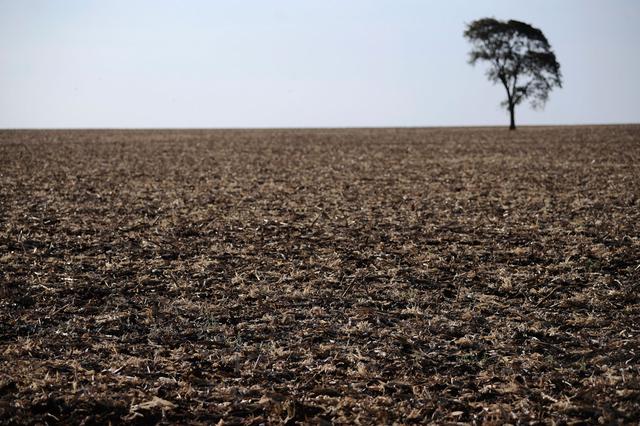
(520, 58)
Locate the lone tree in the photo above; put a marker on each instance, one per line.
(520, 57)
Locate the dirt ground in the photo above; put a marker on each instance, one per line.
(320, 276)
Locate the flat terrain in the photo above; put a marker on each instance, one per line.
(346, 276)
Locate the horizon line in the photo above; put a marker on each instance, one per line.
(407, 127)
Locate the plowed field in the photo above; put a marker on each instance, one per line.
(320, 276)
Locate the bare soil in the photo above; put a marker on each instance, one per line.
(320, 276)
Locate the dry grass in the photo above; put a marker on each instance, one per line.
(372, 276)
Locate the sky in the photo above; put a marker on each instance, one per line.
(295, 63)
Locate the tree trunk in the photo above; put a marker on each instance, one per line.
(512, 110)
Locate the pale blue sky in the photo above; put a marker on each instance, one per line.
(300, 63)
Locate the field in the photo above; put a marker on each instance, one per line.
(320, 276)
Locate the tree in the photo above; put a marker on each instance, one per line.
(520, 58)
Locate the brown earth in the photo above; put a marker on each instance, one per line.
(317, 276)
